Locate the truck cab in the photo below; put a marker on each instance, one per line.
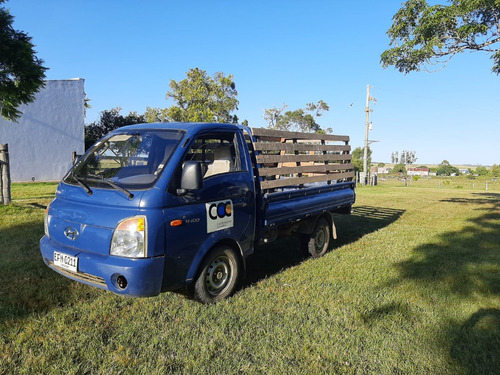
(139, 212)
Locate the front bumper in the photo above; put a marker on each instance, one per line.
(144, 276)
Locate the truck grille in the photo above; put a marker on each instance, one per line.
(82, 276)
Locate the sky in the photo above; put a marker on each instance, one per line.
(279, 52)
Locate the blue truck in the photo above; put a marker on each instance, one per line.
(158, 207)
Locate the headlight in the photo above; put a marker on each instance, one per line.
(46, 221)
(129, 238)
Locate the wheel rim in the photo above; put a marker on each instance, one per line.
(320, 239)
(218, 275)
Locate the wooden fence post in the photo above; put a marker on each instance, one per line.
(5, 174)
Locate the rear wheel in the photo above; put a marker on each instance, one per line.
(218, 276)
(318, 242)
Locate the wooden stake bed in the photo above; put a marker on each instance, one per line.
(287, 159)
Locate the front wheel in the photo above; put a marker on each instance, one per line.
(218, 276)
(318, 242)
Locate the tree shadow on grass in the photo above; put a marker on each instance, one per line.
(465, 263)
(476, 344)
(468, 260)
(274, 257)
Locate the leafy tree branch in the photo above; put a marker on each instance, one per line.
(302, 120)
(22, 73)
(424, 35)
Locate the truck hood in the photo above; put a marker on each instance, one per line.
(86, 223)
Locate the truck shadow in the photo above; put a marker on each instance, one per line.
(277, 256)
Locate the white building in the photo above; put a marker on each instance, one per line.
(418, 171)
(49, 130)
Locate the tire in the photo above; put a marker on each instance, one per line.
(318, 242)
(218, 276)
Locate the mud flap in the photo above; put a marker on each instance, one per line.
(334, 230)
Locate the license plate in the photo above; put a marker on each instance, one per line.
(66, 261)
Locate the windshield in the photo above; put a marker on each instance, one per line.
(129, 160)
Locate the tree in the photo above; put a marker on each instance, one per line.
(273, 115)
(22, 73)
(482, 171)
(495, 170)
(357, 158)
(407, 157)
(302, 120)
(428, 35)
(446, 169)
(399, 168)
(156, 114)
(201, 98)
(109, 120)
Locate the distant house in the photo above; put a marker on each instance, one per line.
(418, 171)
(49, 130)
(464, 170)
(379, 170)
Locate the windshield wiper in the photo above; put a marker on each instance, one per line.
(112, 184)
(118, 187)
(79, 181)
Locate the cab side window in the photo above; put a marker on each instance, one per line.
(217, 153)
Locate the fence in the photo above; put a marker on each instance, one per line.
(5, 196)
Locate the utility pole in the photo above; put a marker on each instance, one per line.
(365, 178)
(5, 195)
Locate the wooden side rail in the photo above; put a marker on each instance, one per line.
(294, 158)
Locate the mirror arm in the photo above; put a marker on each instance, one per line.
(181, 192)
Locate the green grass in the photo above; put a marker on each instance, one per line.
(412, 286)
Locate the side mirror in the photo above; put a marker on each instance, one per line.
(191, 177)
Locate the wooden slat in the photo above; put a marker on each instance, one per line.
(303, 158)
(321, 168)
(292, 147)
(305, 180)
(270, 133)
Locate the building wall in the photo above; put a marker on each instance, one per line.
(49, 130)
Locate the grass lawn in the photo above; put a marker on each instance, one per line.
(411, 286)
